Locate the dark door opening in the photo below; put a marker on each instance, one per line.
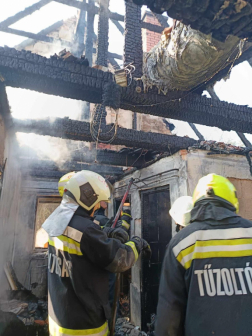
(157, 230)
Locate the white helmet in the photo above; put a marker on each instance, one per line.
(181, 210)
(88, 189)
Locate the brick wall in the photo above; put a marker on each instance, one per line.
(150, 39)
(244, 194)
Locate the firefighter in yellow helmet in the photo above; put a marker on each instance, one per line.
(80, 258)
(63, 181)
(206, 280)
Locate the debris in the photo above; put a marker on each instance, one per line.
(125, 328)
(68, 57)
(219, 147)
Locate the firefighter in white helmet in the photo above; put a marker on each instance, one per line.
(80, 258)
(181, 211)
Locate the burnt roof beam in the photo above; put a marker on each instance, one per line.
(80, 130)
(27, 11)
(23, 69)
(242, 136)
(37, 37)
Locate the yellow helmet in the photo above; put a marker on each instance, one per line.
(63, 181)
(212, 185)
(88, 189)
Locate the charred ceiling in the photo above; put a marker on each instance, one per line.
(219, 17)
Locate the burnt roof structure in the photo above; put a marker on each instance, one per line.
(73, 79)
(219, 17)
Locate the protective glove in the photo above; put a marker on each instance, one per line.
(117, 233)
(126, 219)
(142, 246)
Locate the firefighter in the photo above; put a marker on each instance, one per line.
(206, 280)
(181, 212)
(80, 258)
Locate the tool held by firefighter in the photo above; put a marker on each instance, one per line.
(118, 276)
(141, 246)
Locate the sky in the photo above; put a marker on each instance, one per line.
(29, 104)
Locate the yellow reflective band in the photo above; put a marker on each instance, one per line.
(65, 244)
(125, 214)
(56, 330)
(125, 224)
(133, 246)
(220, 254)
(229, 248)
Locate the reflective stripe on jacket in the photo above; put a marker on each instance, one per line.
(206, 280)
(79, 262)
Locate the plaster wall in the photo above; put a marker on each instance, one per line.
(17, 220)
(168, 171)
(234, 167)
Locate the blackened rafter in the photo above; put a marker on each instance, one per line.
(79, 130)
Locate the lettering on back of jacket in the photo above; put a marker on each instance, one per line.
(224, 281)
(59, 265)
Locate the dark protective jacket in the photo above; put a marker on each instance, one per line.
(206, 280)
(79, 263)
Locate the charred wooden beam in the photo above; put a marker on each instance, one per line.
(189, 107)
(54, 76)
(23, 69)
(4, 106)
(88, 8)
(34, 166)
(80, 33)
(44, 32)
(196, 131)
(133, 49)
(79, 130)
(27, 11)
(103, 33)
(242, 136)
(37, 37)
(118, 26)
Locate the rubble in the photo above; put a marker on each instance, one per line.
(123, 327)
(28, 309)
(220, 147)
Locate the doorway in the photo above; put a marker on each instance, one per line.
(157, 230)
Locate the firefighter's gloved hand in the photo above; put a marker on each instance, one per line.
(126, 218)
(117, 233)
(142, 246)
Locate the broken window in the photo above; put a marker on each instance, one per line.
(45, 206)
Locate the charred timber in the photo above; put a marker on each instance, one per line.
(190, 107)
(79, 130)
(50, 166)
(219, 17)
(22, 69)
(133, 49)
(27, 11)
